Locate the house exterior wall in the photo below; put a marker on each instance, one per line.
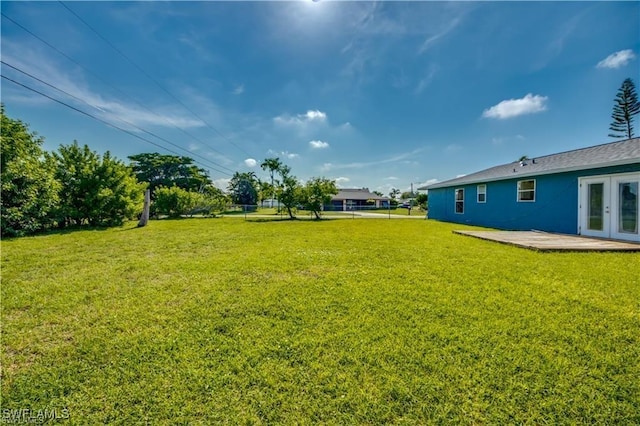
(349, 204)
(555, 208)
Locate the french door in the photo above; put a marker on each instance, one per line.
(610, 206)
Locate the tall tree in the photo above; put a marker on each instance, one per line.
(422, 200)
(265, 190)
(273, 165)
(30, 191)
(169, 170)
(98, 191)
(243, 188)
(625, 107)
(288, 190)
(316, 193)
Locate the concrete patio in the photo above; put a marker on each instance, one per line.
(543, 241)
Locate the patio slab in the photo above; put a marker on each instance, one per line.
(544, 241)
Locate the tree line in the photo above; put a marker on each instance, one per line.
(283, 187)
(75, 186)
(70, 187)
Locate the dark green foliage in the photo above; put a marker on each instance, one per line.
(407, 195)
(393, 194)
(74, 186)
(288, 190)
(98, 191)
(243, 188)
(625, 107)
(273, 165)
(29, 189)
(266, 191)
(421, 200)
(169, 170)
(175, 201)
(316, 193)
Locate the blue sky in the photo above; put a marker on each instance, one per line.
(375, 95)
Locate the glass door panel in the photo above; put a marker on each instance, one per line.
(595, 217)
(595, 192)
(628, 207)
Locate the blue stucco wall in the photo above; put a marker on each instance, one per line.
(554, 210)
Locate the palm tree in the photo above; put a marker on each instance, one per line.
(273, 165)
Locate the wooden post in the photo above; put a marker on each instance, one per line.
(144, 218)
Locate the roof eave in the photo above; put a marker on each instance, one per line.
(541, 173)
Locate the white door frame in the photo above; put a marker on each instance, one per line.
(611, 206)
(617, 204)
(584, 207)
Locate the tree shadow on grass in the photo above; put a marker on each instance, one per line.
(57, 231)
(288, 219)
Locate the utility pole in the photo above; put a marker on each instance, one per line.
(411, 200)
(144, 218)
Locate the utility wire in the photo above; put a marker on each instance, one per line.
(97, 118)
(120, 119)
(112, 86)
(139, 68)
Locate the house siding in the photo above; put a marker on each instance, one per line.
(555, 208)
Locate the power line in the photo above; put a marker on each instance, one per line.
(110, 85)
(139, 68)
(122, 120)
(97, 118)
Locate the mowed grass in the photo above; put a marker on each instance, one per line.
(205, 321)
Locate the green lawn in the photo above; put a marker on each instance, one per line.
(204, 321)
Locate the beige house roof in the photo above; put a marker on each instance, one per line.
(357, 194)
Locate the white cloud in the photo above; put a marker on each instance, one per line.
(391, 178)
(315, 115)
(425, 183)
(365, 164)
(239, 90)
(501, 140)
(222, 183)
(318, 144)
(425, 81)
(617, 59)
(452, 148)
(289, 155)
(510, 108)
(308, 117)
(72, 81)
(434, 38)
(250, 162)
(342, 179)
(286, 154)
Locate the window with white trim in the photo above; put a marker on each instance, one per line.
(482, 193)
(527, 190)
(459, 208)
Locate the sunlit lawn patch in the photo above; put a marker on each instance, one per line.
(337, 321)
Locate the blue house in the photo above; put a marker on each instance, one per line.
(591, 191)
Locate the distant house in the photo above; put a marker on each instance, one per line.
(357, 199)
(591, 191)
